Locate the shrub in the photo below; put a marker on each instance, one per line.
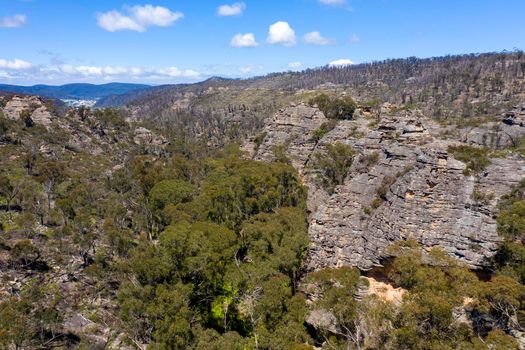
(511, 221)
(323, 130)
(369, 160)
(25, 116)
(382, 190)
(25, 253)
(334, 165)
(475, 158)
(335, 108)
(258, 140)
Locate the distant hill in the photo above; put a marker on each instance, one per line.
(441, 87)
(75, 91)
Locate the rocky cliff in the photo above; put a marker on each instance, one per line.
(403, 183)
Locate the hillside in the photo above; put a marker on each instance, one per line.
(442, 87)
(380, 206)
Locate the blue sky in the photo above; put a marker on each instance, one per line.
(161, 41)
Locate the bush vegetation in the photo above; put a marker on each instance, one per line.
(333, 166)
(197, 248)
(335, 108)
(476, 159)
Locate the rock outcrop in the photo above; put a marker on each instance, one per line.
(143, 136)
(403, 184)
(34, 105)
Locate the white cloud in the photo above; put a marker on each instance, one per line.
(109, 72)
(244, 40)
(149, 15)
(295, 65)
(332, 2)
(15, 64)
(315, 38)
(114, 20)
(115, 70)
(89, 70)
(355, 39)
(138, 19)
(135, 71)
(13, 21)
(20, 72)
(281, 33)
(341, 63)
(231, 10)
(174, 72)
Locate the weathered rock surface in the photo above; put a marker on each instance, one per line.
(428, 197)
(39, 113)
(143, 136)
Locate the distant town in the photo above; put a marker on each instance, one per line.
(79, 103)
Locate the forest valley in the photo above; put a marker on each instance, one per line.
(118, 233)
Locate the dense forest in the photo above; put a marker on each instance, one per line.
(192, 246)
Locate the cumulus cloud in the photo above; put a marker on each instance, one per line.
(281, 33)
(115, 70)
(138, 18)
(110, 72)
(13, 21)
(175, 72)
(15, 64)
(231, 10)
(341, 63)
(315, 38)
(89, 70)
(295, 65)
(19, 72)
(333, 2)
(244, 40)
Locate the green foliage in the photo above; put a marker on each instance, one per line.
(324, 129)
(170, 192)
(276, 241)
(258, 140)
(25, 253)
(238, 189)
(510, 257)
(5, 125)
(31, 319)
(234, 245)
(475, 158)
(369, 160)
(333, 165)
(335, 108)
(338, 287)
(426, 318)
(111, 117)
(511, 221)
(25, 116)
(382, 190)
(280, 153)
(510, 260)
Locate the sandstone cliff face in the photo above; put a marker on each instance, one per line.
(428, 196)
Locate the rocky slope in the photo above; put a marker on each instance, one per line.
(403, 183)
(89, 147)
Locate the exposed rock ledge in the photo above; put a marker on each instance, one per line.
(428, 199)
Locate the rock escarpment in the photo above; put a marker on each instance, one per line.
(403, 183)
